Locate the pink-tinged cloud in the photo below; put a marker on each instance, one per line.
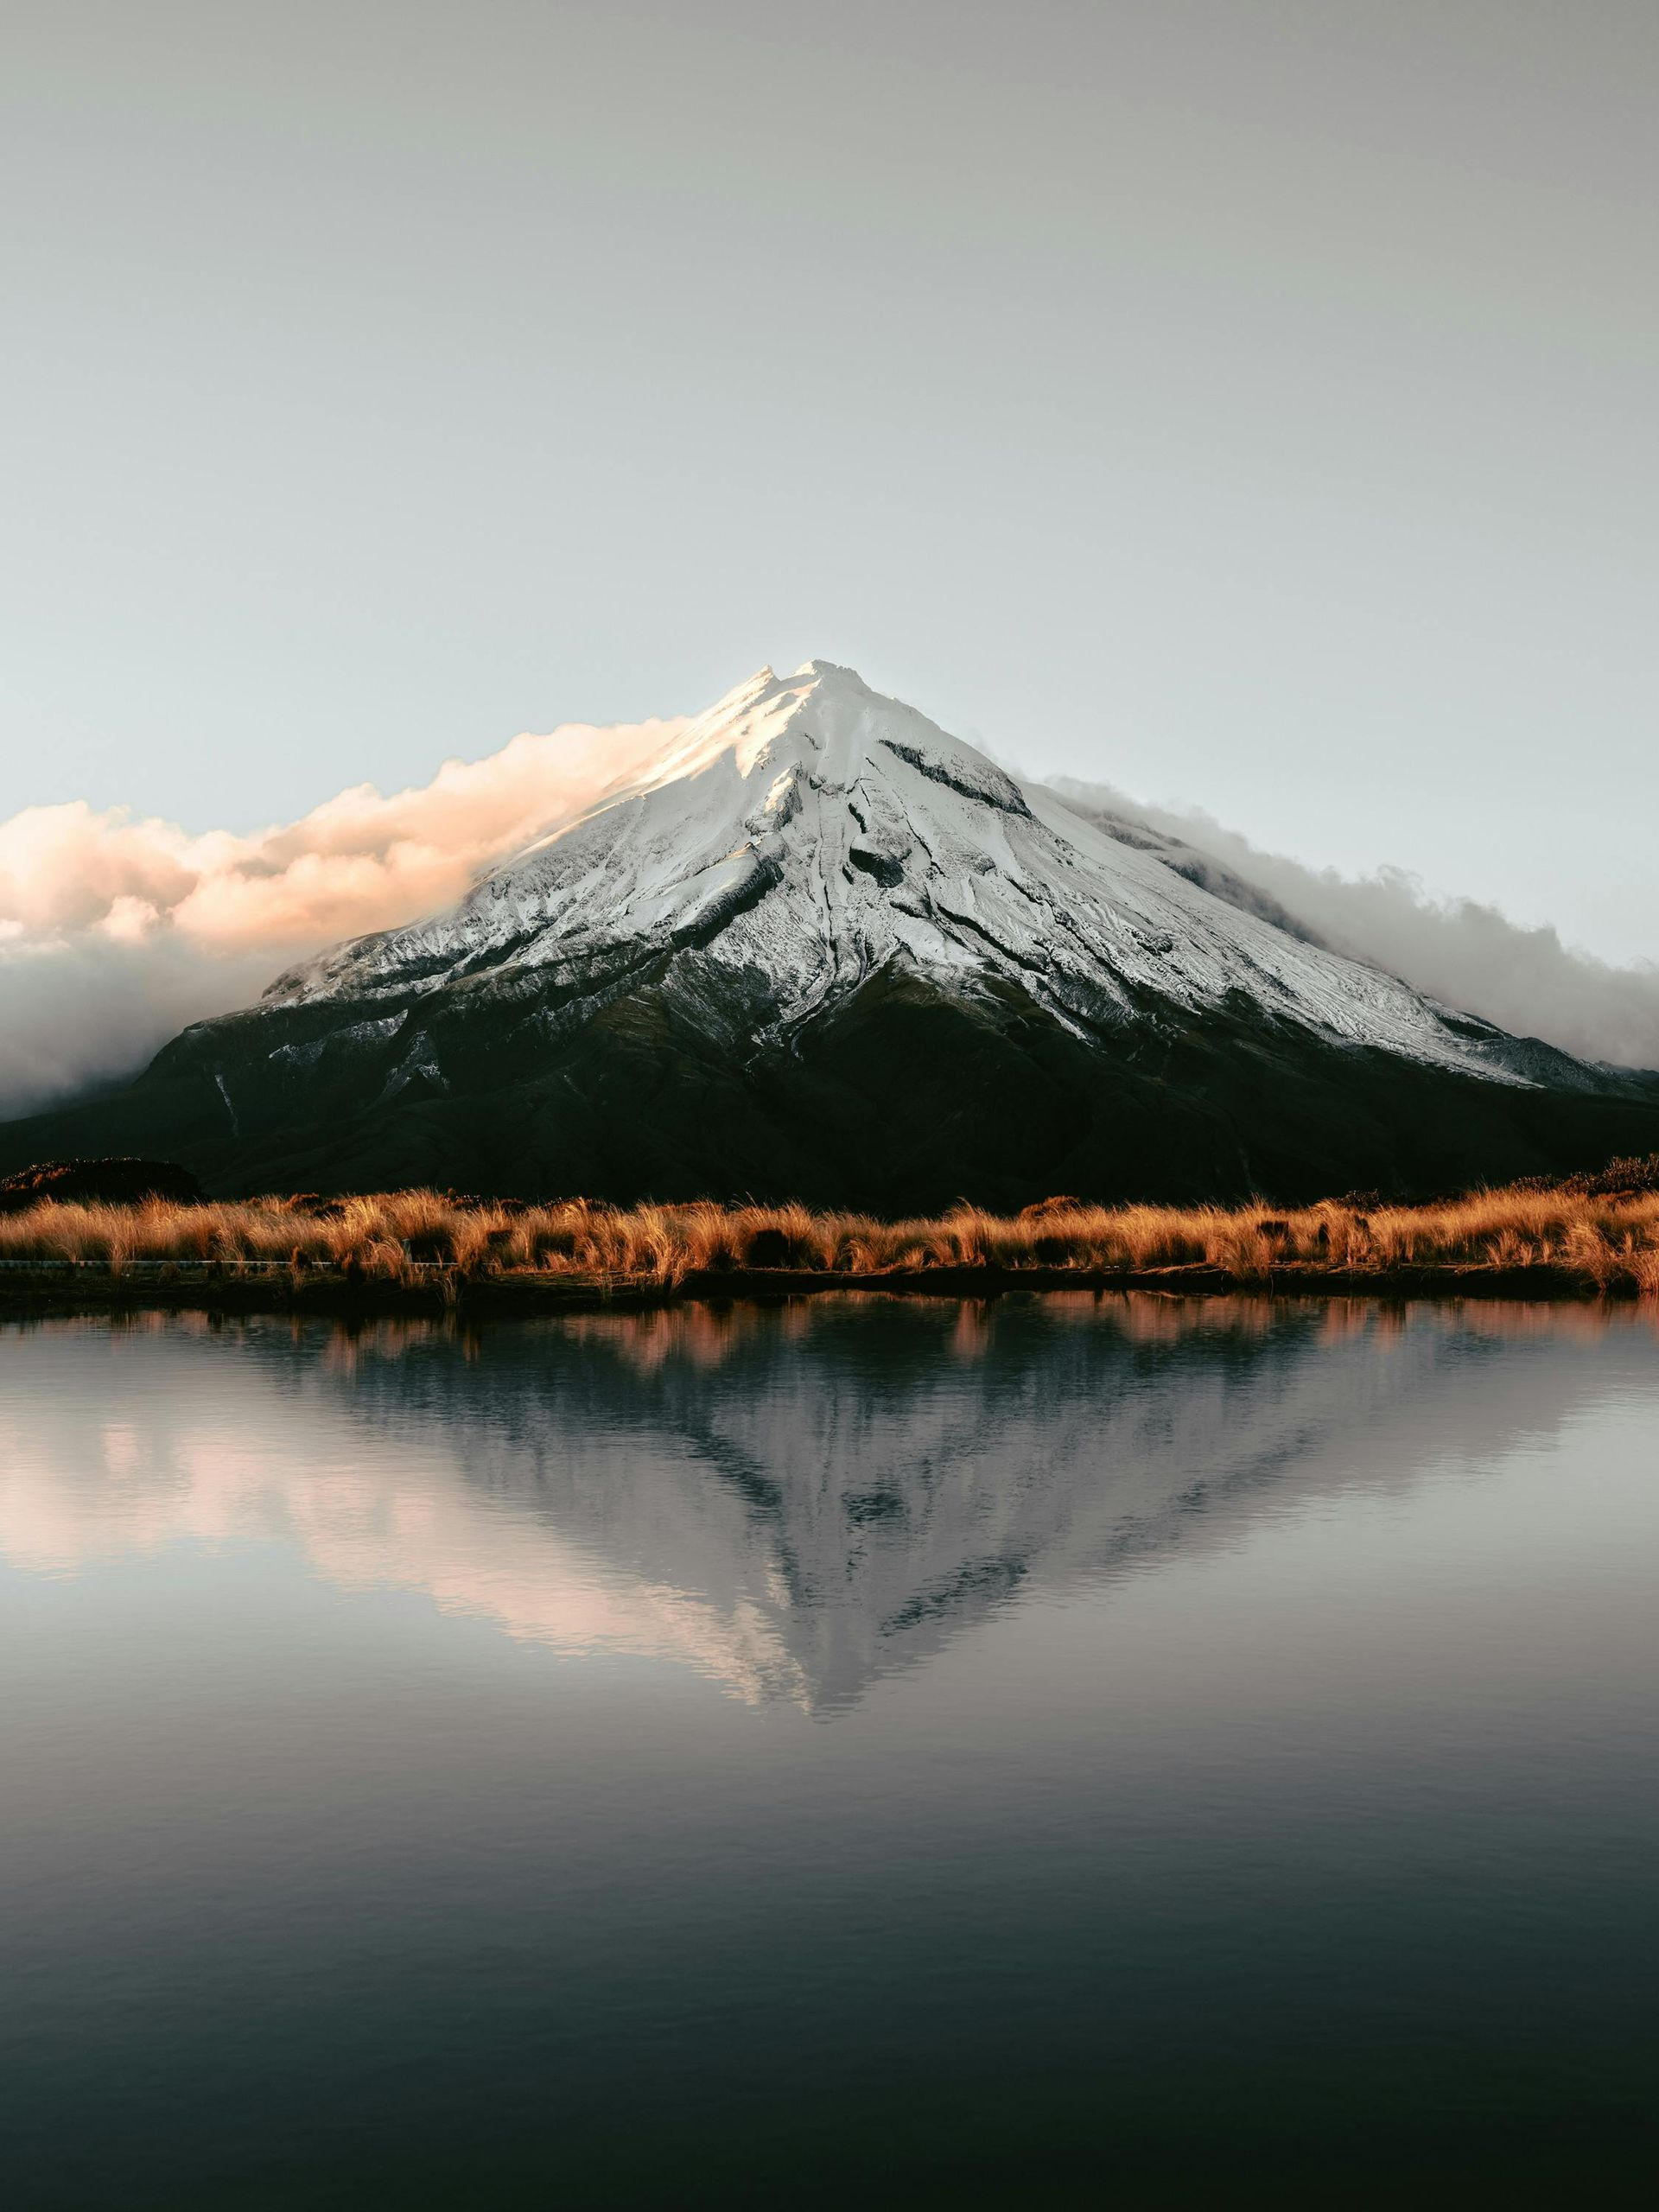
(115, 929)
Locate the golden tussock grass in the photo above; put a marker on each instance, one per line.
(1611, 1242)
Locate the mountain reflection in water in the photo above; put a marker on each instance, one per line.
(796, 1500)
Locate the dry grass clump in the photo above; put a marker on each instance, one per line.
(1610, 1240)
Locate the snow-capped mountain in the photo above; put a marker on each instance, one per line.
(819, 948)
(805, 833)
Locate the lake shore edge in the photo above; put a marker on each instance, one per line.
(44, 1292)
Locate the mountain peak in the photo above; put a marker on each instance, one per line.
(825, 720)
(824, 680)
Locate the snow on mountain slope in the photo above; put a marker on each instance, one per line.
(806, 831)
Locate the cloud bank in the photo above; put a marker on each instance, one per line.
(117, 929)
(1468, 955)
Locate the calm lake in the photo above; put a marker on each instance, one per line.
(1060, 1751)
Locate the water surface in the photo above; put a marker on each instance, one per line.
(1062, 1750)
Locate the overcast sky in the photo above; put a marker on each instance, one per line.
(1250, 405)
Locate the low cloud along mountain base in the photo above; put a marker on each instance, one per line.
(1456, 950)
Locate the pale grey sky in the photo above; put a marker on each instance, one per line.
(1250, 405)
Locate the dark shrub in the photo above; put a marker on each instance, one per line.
(98, 1182)
(768, 1248)
(1622, 1178)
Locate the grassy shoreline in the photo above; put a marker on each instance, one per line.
(421, 1251)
